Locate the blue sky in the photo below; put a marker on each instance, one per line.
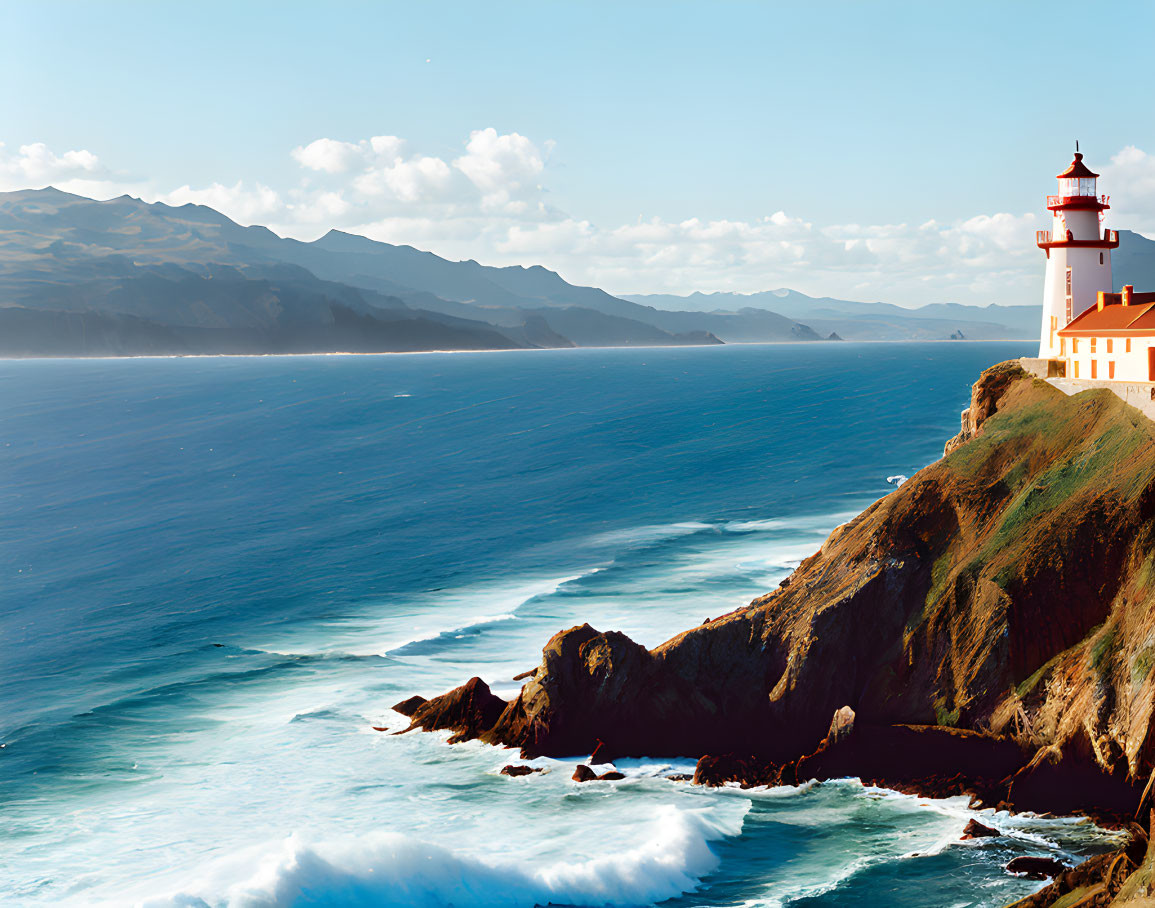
(825, 116)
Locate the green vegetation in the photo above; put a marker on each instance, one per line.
(1102, 649)
(943, 716)
(1141, 666)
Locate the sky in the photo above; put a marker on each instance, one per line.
(890, 151)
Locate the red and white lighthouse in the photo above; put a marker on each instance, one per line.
(1078, 252)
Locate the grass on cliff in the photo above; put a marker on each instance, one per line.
(1045, 450)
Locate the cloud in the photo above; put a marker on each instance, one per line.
(504, 168)
(36, 166)
(329, 155)
(413, 180)
(490, 203)
(1130, 180)
(239, 202)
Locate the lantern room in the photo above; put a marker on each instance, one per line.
(1077, 188)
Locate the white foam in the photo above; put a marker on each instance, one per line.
(387, 869)
(648, 535)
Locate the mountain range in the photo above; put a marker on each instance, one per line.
(122, 277)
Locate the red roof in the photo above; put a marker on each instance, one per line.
(1116, 320)
(1077, 169)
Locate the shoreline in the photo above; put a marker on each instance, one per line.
(493, 350)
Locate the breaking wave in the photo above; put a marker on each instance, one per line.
(388, 869)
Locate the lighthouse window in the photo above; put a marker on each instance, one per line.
(1072, 186)
(1100, 258)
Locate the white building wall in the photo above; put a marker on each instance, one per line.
(1130, 366)
(1090, 273)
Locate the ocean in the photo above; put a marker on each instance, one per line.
(218, 574)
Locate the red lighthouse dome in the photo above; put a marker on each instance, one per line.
(1077, 189)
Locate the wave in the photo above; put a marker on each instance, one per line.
(388, 869)
(632, 537)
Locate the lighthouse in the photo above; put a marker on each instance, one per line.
(1078, 253)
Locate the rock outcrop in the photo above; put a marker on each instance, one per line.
(987, 625)
(467, 710)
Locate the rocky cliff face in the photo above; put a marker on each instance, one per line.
(989, 623)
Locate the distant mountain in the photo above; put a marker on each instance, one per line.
(188, 279)
(863, 321)
(1133, 262)
(125, 276)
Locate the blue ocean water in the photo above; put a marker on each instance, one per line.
(219, 573)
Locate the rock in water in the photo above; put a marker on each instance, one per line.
(976, 830)
(584, 774)
(988, 621)
(468, 710)
(1035, 868)
(410, 705)
(612, 776)
(518, 770)
(747, 771)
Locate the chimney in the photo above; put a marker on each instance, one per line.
(1128, 289)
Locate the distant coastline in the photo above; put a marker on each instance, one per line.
(905, 342)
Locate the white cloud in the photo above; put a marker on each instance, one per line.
(415, 180)
(329, 155)
(489, 203)
(505, 168)
(242, 204)
(1130, 180)
(36, 166)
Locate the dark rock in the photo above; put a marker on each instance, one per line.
(468, 710)
(516, 770)
(584, 774)
(409, 706)
(680, 777)
(611, 776)
(1036, 868)
(379, 727)
(524, 675)
(986, 622)
(748, 771)
(976, 830)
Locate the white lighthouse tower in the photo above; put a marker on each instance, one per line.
(1078, 252)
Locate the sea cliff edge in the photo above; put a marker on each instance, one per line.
(985, 629)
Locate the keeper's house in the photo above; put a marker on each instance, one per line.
(1113, 340)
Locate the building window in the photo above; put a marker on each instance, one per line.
(1076, 368)
(1093, 340)
(1062, 346)
(1111, 369)
(1128, 345)
(1094, 368)
(1074, 347)
(1108, 345)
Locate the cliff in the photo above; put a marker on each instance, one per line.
(988, 624)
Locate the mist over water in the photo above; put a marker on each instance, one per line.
(218, 575)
